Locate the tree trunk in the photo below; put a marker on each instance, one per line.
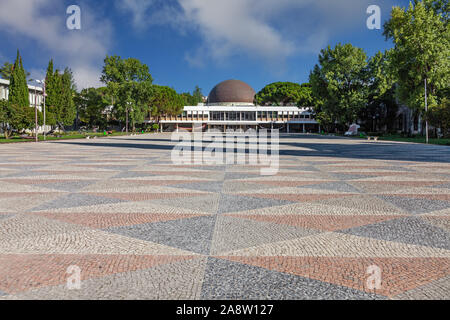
(7, 132)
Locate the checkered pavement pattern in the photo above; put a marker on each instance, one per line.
(140, 227)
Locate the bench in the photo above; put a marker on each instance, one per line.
(370, 138)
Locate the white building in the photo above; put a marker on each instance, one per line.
(36, 94)
(230, 105)
(36, 97)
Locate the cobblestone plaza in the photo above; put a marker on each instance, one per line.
(139, 227)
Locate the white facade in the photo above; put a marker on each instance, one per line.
(36, 97)
(234, 116)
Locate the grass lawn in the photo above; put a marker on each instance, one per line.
(415, 140)
(63, 137)
(420, 139)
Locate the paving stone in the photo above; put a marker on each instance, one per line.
(133, 174)
(76, 200)
(193, 234)
(68, 185)
(225, 280)
(413, 205)
(412, 230)
(180, 280)
(4, 216)
(143, 228)
(335, 186)
(234, 203)
(350, 176)
(437, 290)
(202, 186)
(233, 233)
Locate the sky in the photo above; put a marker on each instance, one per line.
(188, 42)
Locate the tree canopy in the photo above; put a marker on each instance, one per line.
(165, 100)
(382, 106)
(421, 35)
(192, 99)
(18, 87)
(92, 104)
(439, 116)
(129, 83)
(285, 93)
(338, 84)
(60, 90)
(7, 69)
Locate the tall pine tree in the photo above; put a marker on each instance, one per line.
(68, 110)
(60, 90)
(22, 116)
(18, 88)
(52, 95)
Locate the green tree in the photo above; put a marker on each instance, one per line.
(192, 99)
(382, 106)
(283, 93)
(92, 104)
(52, 99)
(188, 99)
(421, 35)
(6, 70)
(60, 90)
(130, 84)
(306, 98)
(338, 83)
(15, 118)
(165, 101)
(67, 112)
(197, 96)
(6, 114)
(439, 116)
(18, 87)
(20, 115)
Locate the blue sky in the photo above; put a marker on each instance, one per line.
(188, 42)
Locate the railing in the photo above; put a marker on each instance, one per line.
(190, 118)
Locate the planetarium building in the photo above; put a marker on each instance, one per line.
(230, 105)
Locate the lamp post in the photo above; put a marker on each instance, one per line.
(426, 111)
(126, 110)
(35, 114)
(43, 83)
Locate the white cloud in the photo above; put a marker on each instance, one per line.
(271, 30)
(137, 8)
(82, 50)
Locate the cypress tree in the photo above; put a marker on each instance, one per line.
(18, 88)
(68, 111)
(22, 115)
(52, 95)
(59, 89)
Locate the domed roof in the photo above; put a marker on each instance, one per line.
(231, 91)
